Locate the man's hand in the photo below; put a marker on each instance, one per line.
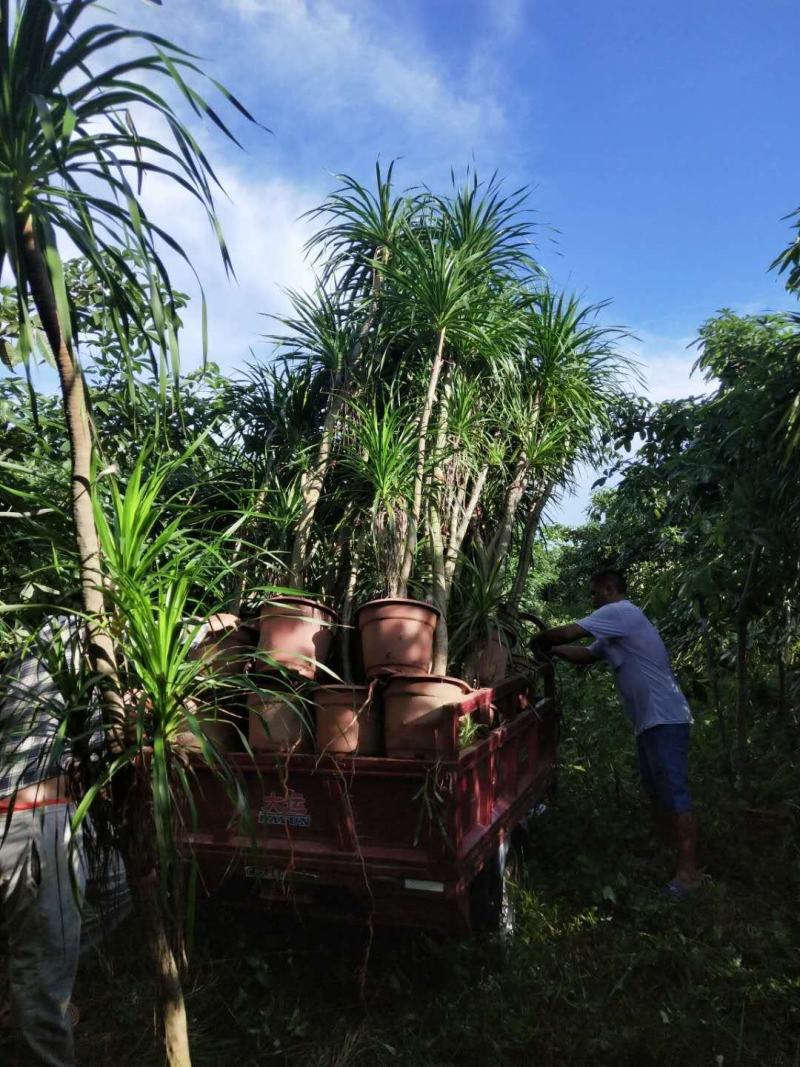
(577, 654)
(539, 649)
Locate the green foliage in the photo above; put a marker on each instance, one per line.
(706, 524)
(72, 161)
(602, 970)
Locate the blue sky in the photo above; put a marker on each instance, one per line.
(659, 141)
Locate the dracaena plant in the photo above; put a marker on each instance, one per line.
(72, 164)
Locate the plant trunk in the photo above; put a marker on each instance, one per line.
(170, 992)
(781, 685)
(311, 486)
(526, 549)
(441, 642)
(439, 550)
(742, 678)
(347, 617)
(419, 476)
(137, 844)
(713, 682)
(499, 545)
(238, 558)
(314, 479)
(102, 655)
(459, 530)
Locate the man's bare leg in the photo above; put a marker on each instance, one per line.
(664, 827)
(684, 829)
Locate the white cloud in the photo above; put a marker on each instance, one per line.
(347, 60)
(265, 237)
(506, 15)
(666, 366)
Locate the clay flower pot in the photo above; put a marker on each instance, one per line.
(279, 722)
(297, 633)
(225, 644)
(396, 636)
(223, 727)
(493, 660)
(413, 709)
(346, 722)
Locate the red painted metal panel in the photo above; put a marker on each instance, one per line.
(344, 835)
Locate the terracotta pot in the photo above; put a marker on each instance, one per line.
(223, 726)
(297, 633)
(346, 723)
(225, 644)
(279, 723)
(492, 660)
(413, 709)
(396, 636)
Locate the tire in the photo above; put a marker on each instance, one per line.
(493, 896)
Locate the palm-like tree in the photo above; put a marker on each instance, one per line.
(72, 164)
(442, 284)
(333, 332)
(566, 376)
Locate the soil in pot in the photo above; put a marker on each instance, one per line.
(396, 636)
(414, 708)
(347, 721)
(280, 719)
(296, 633)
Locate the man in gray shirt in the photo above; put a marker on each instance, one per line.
(626, 639)
(43, 861)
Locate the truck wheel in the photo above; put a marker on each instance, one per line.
(493, 893)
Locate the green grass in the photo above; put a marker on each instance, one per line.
(602, 971)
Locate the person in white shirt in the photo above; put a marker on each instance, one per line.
(629, 643)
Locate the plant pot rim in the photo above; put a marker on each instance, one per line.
(341, 686)
(398, 600)
(291, 599)
(445, 679)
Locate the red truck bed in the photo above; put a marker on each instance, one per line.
(393, 841)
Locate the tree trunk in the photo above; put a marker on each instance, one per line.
(713, 682)
(347, 616)
(314, 479)
(526, 549)
(238, 557)
(419, 476)
(458, 530)
(441, 642)
(170, 993)
(137, 842)
(311, 486)
(442, 495)
(499, 544)
(102, 655)
(742, 678)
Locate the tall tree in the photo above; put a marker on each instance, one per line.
(72, 163)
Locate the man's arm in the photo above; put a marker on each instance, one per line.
(578, 654)
(571, 631)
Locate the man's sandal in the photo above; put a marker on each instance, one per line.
(676, 890)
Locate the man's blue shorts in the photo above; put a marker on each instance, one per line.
(663, 755)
